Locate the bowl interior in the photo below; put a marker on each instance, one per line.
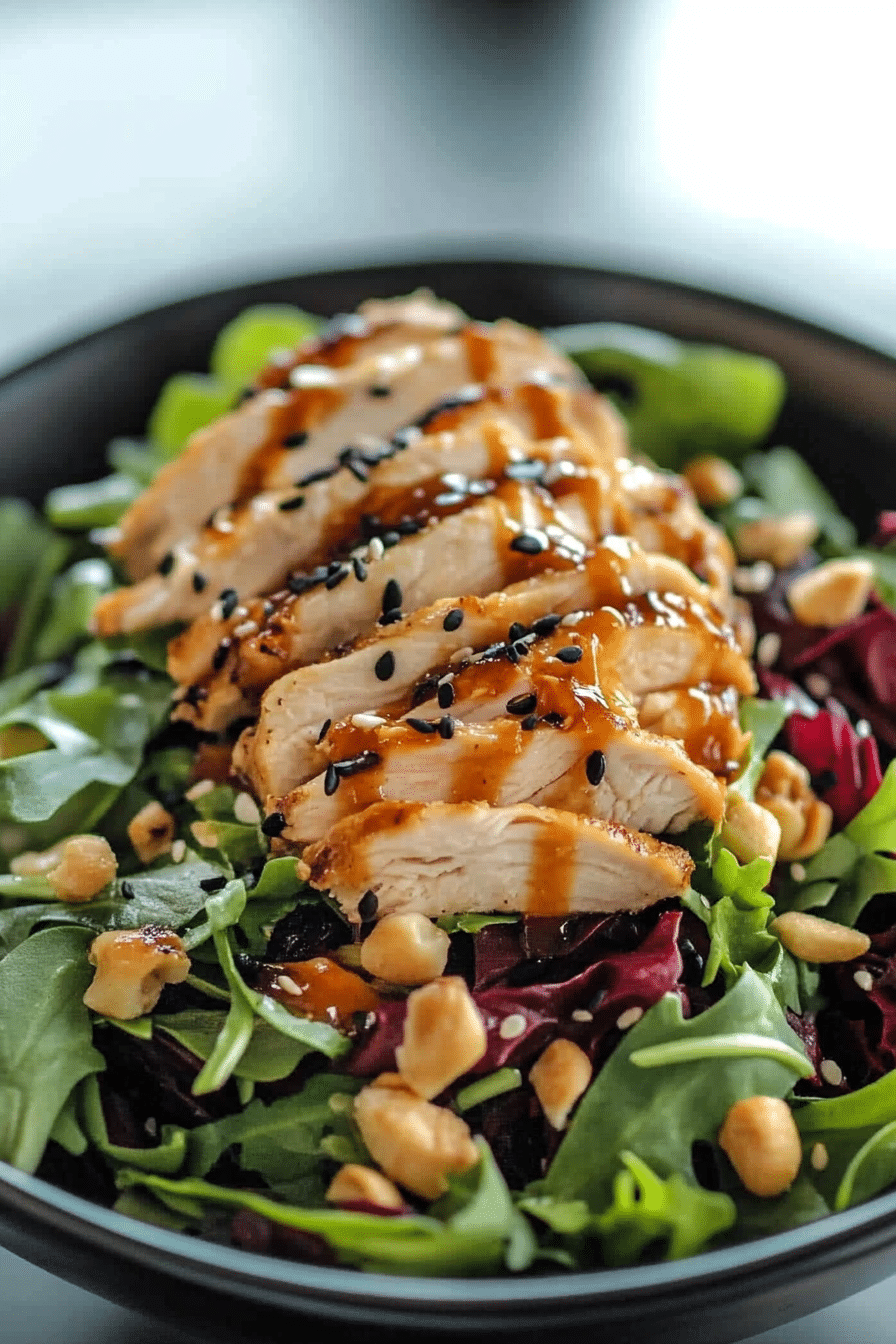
(56, 416)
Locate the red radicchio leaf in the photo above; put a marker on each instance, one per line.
(859, 1032)
(886, 529)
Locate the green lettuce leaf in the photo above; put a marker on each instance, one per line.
(658, 1112)
(246, 344)
(858, 1131)
(786, 483)
(45, 1039)
(763, 719)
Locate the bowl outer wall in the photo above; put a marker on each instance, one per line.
(56, 415)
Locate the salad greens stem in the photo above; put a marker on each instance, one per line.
(739, 1044)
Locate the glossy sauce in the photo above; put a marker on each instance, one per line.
(326, 991)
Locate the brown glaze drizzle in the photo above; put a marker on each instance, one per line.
(305, 408)
(552, 869)
(320, 989)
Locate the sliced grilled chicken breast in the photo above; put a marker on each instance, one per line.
(444, 858)
(288, 433)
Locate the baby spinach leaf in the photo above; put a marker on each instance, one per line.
(659, 1112)
(45, 1039)
(74, 596)
(680, 400)
(23, 539)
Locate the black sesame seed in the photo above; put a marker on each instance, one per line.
(554, 719)
(446, 727)
(595, 767)
(357, 469)
(390, 539)
(313, 477)
(365, 761)
(390, 617)
(572, 653)
(384, 667)
(296, 440)
(521, 647)
(425, 726)
(199, 581)
(337, 577)
(515, 632)
(212, 884)
(299, 584)
(360, 569)
(166, 564)
(546, 625)
(331, 780)
(823, 781)
(379, 390)
(333, 568)
(229, 602)
(127, 891)
(424, 690)
(287, 505)
(368, 905)
(408, 527)
(219, 657)
(454, 619)
(522, 704)
(273, 824)
(511, 653)
(529, 722)
(324, 730)
(527, 544)
(246, 394)
(241, 936)
(392, 596)
(445, 695)
(267, 608)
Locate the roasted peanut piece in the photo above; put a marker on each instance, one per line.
(819, 940)
(785, 790)
(354, 1184)
(151, 832)
(416, 1143)
(749, 830)
(406, 949)
(77, 869)
(714, 481)
(763, 1144)
(559, 1076)
(444, 1036)
(836, 591)
(780, 541)
(132, 965)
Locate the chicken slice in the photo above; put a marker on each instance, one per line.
(287, 433)
(449, 858)
(254, 547)
(704, 718)
(608, 768)
(662, 515)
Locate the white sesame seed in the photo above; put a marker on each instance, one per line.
(448, 677)
(245, 809)
(831, 1072)
(582, 1015)
(311, 375)
(754, 578)
(367, 720)
(768, 648)
(798, 872)
(288, 985)
(246, 628)
(151, 1125)
(704, 900)
(819, 1157)
(572, 618)
(629, 1018)
(514, 1025)
(376, 550)
(863, 728)
(199, 789)
(240, 612)
(217, 612)
(179, 851)
(817, 685)
(864, 980)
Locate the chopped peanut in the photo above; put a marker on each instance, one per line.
(132, 965)
(785, 791)
(77, 869)
(406, 949)
(713, 480)
(560, 1075)
(749, 830)
(835, 592)
(151, 832)
(354, 1184)
(763, 1144)
(780, 541)
(416, 1143)
(444, 1036)
(819, 940)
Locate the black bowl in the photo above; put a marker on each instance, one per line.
(56, 415)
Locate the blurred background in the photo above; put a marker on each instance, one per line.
(149, 151)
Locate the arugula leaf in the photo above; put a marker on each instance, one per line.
(75, 594)
(269, 1054)
(45, 1039)
(850, 868)
(52, 556)
(166, 1157)
(473, 923)
(858, 1131)
(763, 719)
(687, 399)
(658, 1113)
(77, 508)
(647, 1209)
(480, 1237)
(23, 539)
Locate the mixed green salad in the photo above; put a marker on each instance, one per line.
(222, 1114)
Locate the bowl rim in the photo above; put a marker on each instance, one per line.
(286, 1281)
